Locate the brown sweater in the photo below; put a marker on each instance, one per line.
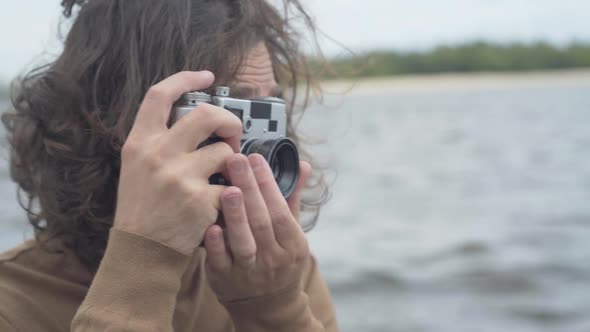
(143, 285)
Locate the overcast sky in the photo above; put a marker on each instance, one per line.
(29, 28)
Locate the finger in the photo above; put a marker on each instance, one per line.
(155, 108)
(209, 159)
(241, 176)
(218, 258)
(283, 222)
(294, 200)
(215, 193)
(241, 240)
(199, 124)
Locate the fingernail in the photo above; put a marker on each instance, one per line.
(237, 166)
(233, 201)
(255, 162)
(214, 236)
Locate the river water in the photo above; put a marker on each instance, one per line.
(456, 207)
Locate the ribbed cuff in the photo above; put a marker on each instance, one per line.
(285, 310)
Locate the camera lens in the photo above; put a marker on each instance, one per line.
(276, 170)
(283, 158)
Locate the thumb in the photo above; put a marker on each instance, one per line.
(294, 200)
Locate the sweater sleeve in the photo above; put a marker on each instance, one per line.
(135, 287)
(6, 326)
(304, 307)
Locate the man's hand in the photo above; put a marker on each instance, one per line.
(164, 191)
(265, 249)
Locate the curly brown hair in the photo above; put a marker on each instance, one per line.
(71, 117)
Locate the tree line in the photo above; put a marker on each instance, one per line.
(470, 57)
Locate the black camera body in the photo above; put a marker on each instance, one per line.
(264, 123)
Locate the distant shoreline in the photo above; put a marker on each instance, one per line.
(473, 56)
(444, 81)
(455, 81)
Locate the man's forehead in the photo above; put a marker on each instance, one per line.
(256, 76)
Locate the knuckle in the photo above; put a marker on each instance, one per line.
(245, 255)
(280, 260)
(215, 267)
(224, 149)
(260, 227)
(171, 180)
(130, 149)
(272, 262)
(282, 215)
(302, 253)
(274, 265)
(204, 115)
(241, 158)
(282, 219)
(153, 161)
(220, 116)
(234, 121)
(155, 93)
(205, 110)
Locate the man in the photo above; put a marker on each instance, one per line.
(120, 201)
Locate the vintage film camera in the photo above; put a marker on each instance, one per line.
(264, 123)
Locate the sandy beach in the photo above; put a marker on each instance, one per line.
(456, 81)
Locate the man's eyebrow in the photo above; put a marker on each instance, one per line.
(248, 91)
(244, 91)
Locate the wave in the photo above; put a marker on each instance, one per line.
(368, 281)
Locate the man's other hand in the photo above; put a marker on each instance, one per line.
(264, 248)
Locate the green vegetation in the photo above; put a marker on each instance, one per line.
(472, 57)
